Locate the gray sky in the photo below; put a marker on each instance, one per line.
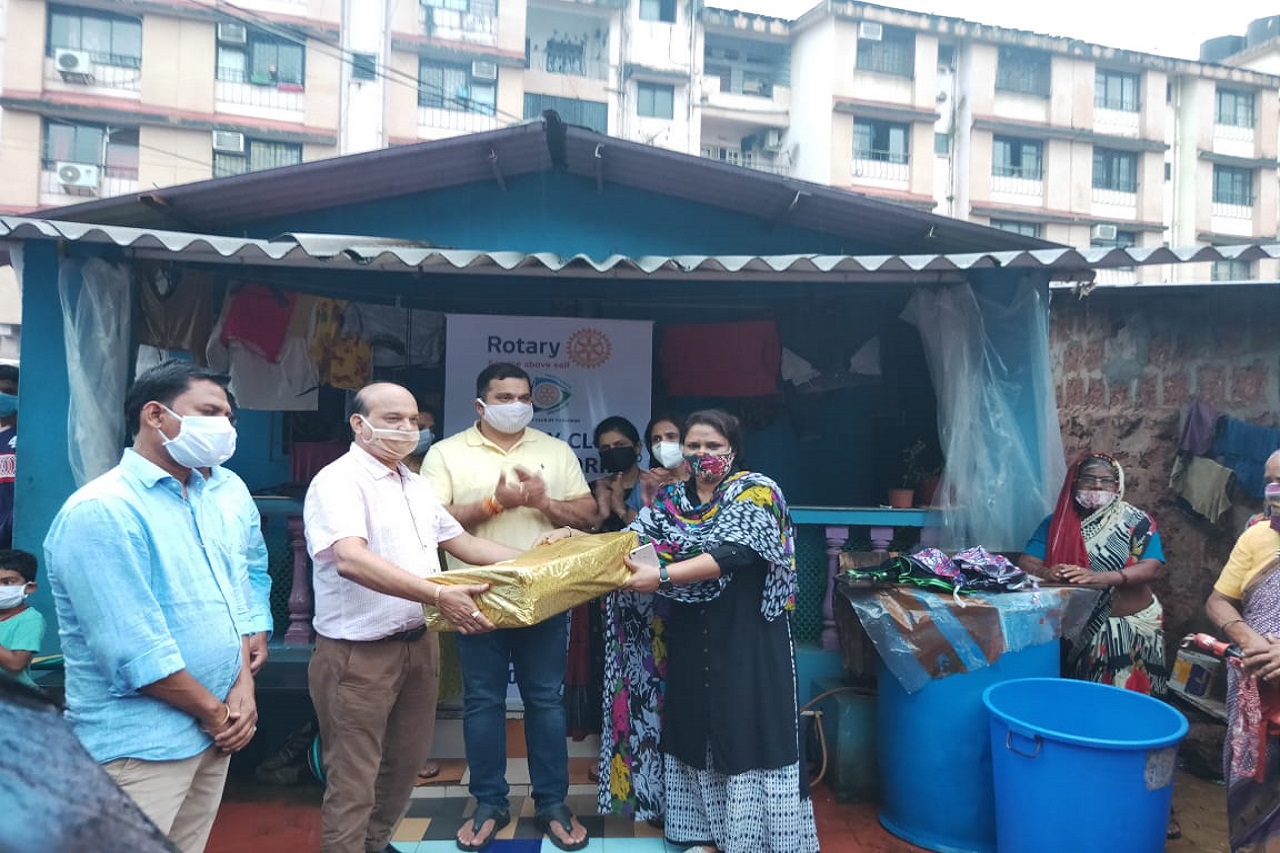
(1165, 27)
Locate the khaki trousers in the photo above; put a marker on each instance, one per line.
(180, 797)
(376, 704)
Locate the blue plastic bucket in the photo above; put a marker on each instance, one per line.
(1081, 766)
(935, 753)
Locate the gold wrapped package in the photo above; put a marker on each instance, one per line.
(544, 581)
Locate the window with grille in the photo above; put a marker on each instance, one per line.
(1115, 170)
(108, 39)
(655, 100)
(264, 60)
(658, 10)
(893, 53)
(886, 141)
(1026, 229)
(1234, 108)
(1024, 71)
(258, 155)
(593, 115)
(1113, 90)
(1230, 271)
(451, 86)
(1017, 158)
(1233, 185)
(114, 149)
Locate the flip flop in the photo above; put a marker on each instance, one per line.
(559, 814)
(484, 814)
(429, 771)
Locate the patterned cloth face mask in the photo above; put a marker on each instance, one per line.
(711, 466)
(1092, 499)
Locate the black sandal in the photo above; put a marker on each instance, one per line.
(484, 814)
(559, 814)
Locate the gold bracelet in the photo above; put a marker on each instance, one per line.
(222, 725)
(1224, 625)
(439, 589)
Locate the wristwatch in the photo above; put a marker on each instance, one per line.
(664, 579)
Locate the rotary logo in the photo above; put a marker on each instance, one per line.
(550, 394)
(589, 348)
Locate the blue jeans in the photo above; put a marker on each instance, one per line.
(538, 654)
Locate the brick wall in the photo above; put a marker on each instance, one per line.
(1127, 365)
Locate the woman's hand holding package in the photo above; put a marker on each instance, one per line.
(459, 606)
(643, 578)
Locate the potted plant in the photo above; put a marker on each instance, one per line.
(919, 478)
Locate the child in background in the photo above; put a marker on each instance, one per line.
(21, 627)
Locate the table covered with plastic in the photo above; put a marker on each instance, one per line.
(923, 635)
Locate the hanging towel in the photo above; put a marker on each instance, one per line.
(1199, 429)
(1244, 448)
(1201, 484)
(259, 319)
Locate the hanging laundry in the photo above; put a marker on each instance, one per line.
(1199, 429)
(341, 360)
(722, 359)
(399, 337)
(176, 308)
(1201, 485)
(289, 384)
(1244, 448)
(258, 318)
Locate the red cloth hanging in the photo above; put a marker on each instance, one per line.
(722, 359)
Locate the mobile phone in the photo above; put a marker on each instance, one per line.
(645, 555)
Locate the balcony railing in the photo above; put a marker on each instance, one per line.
(457, 121)
(478, 25)
(882, 166)
(231, 89)
(1024, 190)
(753, 163)
(1115, 198)
(1228, 210)
(569, 65)
(112, 181)
(1116, 122)
(116, 74)
(1233, 133)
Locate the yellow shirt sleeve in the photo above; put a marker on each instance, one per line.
(570, 475)
(1253, 550)
(436, 472)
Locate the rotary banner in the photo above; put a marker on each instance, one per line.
(582, 370)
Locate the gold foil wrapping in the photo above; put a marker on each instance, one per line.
(544, 581)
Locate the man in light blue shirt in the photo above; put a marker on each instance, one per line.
(229, 491)
(149, 579)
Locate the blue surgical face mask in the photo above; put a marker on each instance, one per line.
(425, 438)
(8, 405)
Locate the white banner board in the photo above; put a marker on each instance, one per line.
(582, 370)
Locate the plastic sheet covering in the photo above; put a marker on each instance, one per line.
(923, 635)
(547, 580)
(997, 415)
(96, 330)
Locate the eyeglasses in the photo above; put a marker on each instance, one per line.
(1097, 481)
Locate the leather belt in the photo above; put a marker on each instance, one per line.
(405, 636)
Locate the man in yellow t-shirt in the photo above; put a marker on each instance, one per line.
(509, 483)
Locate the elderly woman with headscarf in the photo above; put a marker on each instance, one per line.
(1095, 538)
(1245, 605)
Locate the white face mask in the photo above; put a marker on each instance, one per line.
(1095, 498)
(12, 596)
(507, 417)
(668, 454)
(202, 440)
(395, 442)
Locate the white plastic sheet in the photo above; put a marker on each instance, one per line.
(96, 319)
(997, 415)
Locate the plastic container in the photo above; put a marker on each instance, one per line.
(1079, 766)
(935, 753)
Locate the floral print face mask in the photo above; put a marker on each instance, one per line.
(711, 466)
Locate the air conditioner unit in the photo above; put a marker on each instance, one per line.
(73, 64)
(870, 30)
(771, 140)
(1102, 232)
(78, 175)
(232, 33)
(484, 71)
(228, 142)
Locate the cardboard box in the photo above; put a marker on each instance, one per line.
(1198, 674)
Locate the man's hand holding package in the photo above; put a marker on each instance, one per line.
(459, 605)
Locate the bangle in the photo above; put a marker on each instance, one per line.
(1224, 625)
(1124, 579)
(222, 725)
(439, 589)
(493, 506)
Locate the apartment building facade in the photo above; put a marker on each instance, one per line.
(1047, 136)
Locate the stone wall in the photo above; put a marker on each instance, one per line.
(1126, 365)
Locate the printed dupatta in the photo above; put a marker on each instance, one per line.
(746, 509)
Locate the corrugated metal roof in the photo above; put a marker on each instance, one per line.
(337, 252)
(232, 204)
